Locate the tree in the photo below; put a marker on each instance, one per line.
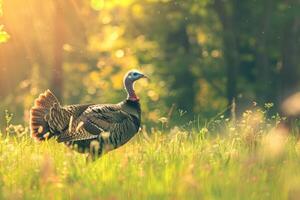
(228, 14)
(290, 53)
(57, 70)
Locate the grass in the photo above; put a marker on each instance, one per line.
(244, 159)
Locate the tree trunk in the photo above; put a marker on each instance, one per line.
(57, 71)
(290, 52)
(230, 46)
(265, 91)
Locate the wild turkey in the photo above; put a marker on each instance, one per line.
(89, 128)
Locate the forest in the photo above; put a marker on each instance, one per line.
(200, 54)
(220, 72)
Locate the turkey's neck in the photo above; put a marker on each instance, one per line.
(130, 91)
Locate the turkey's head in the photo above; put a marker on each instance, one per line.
(129, 80)
(134, 75)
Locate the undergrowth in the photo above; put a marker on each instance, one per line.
(249, 158)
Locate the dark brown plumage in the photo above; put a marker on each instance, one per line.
(90, 128)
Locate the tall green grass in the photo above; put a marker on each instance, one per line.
(244, 159)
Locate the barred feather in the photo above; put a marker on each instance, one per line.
(39, 127)
(48, 118)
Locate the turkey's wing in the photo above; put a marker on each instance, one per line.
(93, 122)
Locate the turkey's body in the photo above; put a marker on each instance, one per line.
(93, 129)
(101, 128)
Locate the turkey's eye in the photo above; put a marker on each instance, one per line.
(135, 74)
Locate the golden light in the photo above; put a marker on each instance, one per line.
(291, 106)
(201, 37)
(153, 95)
(215, 54)
(120, 53)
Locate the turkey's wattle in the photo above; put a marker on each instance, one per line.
(89, 128)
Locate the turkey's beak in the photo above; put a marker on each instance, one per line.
(146, 77)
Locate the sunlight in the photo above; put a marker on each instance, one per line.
(149, 99)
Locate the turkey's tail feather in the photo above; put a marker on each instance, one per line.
(39, 127)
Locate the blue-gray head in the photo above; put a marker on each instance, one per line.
(134, 75)
(129, 79)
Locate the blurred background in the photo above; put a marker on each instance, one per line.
(201, 55)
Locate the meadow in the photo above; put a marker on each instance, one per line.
(246, 158)
(202, 57)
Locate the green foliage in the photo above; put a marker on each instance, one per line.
(8, 117)
(3, 35)
(199, 54)
(210, 163)
(97, 4)
(1, 10)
